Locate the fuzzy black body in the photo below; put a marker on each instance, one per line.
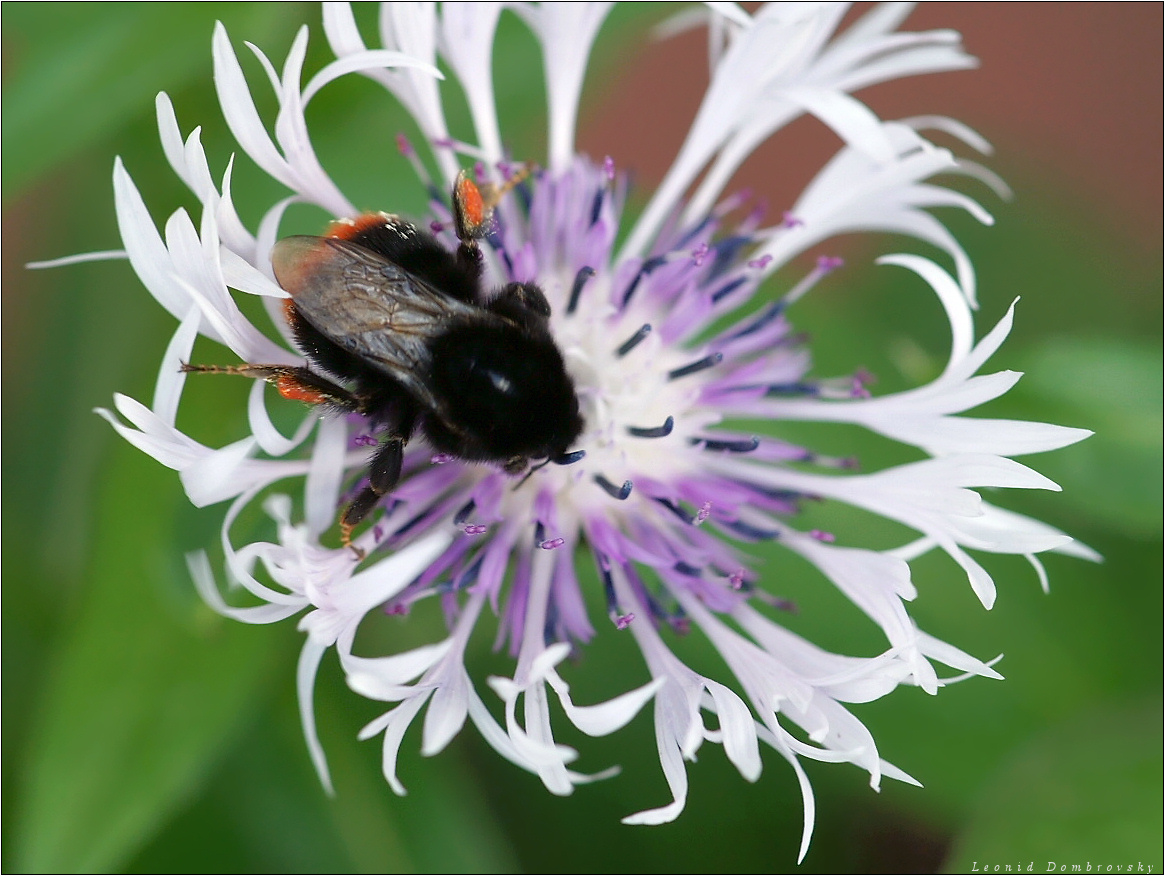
(403, 324)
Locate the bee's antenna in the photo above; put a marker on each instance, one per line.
(493, 194)
(561, 459)
(531, 471)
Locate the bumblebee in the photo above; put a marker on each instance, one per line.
(395, 327)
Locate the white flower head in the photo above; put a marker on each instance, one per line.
(685, 325)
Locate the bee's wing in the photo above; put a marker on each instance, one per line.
(367, 305)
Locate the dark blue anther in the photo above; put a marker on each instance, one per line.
(727, 289)
(676, 510)
(778, 494)
(743, 446)
(632, 342)
(746, 530)
(691, 233)
(792, 389)
(569, 458)
(614, 492)
(648, 266)
(760, 320)
(468, 576)
(726, 252)
(653, 431)
(597, 206)
(463, 515)
(580, 280)
(408, 525)
(609, 587)
(706, 362)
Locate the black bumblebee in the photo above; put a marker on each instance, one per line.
(404, 328)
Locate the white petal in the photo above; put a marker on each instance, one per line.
(951, 296)
(219, 474)
(200, 573)
(147, 254)
(849, 118)
(604, 718)
(953, 657)
(322, 489)
(446, 716)
(242, 275)
(369, 676)
(238, 108)
(365, 60)
(675, 774)
(305, 679)
(467, 38)
(399, 722)
(738, 729)
(171, 379)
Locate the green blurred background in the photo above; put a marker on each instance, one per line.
(143, 733)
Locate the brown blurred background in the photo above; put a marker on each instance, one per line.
(1071, 92)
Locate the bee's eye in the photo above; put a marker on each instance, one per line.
(500, 382)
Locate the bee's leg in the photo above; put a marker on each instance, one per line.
(473, 208)
(298, 384)
(353, 514)
(471, 221)
(383, 474)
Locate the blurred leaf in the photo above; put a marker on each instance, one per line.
(443, 825)
(264, 806)
(1087, 791)
(143, 696)
(1114, 388)
(122, 53)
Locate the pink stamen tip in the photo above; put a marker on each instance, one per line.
(788, 220)
(475, 529)
(444, 142)
(440, 458)
(699, 254)
(822, 535)
(405, 146)
(736, 579)
(681, 625)
(858, 389)
(479, 171)
(398, 608)
(364, 440)
(377, 532)
(609, 168)
(762, 262)
(829, 263)
(704, 513)
(624, 620)
(552, 543)
(436, 227)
